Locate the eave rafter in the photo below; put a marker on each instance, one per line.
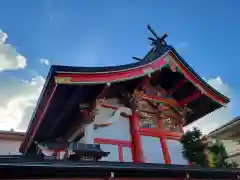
(176, 86)
(195, 81)
(117, 76)
(190, 98)
(40, 113)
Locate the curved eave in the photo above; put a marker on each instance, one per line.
(72, 75)
(49, 81)
(203, 83)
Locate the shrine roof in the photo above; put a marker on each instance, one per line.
(66, 87)
(21, 168)
(150, 58)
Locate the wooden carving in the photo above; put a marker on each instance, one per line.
(154, 103)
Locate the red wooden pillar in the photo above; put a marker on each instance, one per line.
(163, 142)
(136, 138)
(165, 149)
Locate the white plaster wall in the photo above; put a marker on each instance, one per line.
(152, 150)
(175, 151)
(9, 147)
(119, 130)
(127, 154)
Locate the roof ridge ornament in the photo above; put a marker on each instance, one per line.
(158, 39)
(155, 42)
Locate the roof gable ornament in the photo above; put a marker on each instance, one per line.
(159, 40)
(156, 42)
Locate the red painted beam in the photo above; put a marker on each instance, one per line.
(178, 85)
(190, 98)
(40, 116)
(113, 142)
(68, 78)
(156, 132)
(109, 106)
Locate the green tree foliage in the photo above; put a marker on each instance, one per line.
(221, 155)
(195, 150)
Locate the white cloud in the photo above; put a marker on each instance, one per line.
(9, 57)
(3, 37)
(45, 62)
(17, 101)
(218, 117)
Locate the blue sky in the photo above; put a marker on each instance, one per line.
(100, 33)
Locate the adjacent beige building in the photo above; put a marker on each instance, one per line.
(229, 134)
(10, 142)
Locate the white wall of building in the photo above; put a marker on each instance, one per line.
(231, 146)
(9, 147)
(235, 158)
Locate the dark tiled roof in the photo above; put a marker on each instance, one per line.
(29, 169)
(236, 119)
(12, 135)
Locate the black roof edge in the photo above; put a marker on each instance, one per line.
(45, 87)
(146, 60)
(227, 100)
(225, 125)
(48, 169)
(136, 64)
